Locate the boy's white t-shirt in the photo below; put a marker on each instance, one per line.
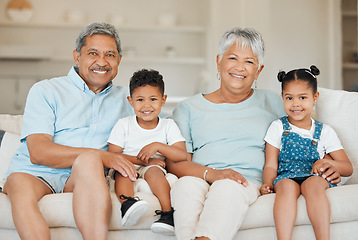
(132, 138)
(329, 141)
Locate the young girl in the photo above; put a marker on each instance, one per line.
(302, 156)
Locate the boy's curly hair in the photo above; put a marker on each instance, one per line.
(145, 77)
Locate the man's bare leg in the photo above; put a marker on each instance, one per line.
(24, 192)
(92, 204)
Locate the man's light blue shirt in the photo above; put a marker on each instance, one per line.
(73, 115)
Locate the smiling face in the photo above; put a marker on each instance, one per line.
(298, 100)
(147, 102)
(98, 61)
(238, 67)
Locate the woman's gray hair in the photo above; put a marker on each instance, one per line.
(246, 37)
(98, 28)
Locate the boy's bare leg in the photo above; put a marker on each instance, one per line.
(92, 204)
(318, 209)
(24, 192)
(123, 185)
(159, 186)
(285, 207)
(132, 208)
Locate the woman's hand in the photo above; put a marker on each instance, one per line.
(326, 170)
(214, 175)
(266, 188)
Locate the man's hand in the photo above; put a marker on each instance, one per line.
(214, 175)
(120, 163)
(266, 188)
(326, 170)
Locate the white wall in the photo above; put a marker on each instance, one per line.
(296, 33)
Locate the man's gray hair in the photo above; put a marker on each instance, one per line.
(246, 37)
(98, 28)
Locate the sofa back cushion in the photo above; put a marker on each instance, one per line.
(9, 142)
(10, 130)
(11, 123)
(339, 109)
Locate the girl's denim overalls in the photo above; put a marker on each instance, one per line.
(298, 154)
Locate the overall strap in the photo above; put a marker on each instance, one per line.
(317, 132)
(286, 125)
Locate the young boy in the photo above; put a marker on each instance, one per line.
(146, 140)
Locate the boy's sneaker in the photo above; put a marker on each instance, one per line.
(132, 209)
(165, 224)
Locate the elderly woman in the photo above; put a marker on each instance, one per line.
(224, 132)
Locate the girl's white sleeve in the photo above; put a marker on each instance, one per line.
(330, 139)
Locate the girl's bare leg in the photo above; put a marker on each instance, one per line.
(285, 207)
(318, 209)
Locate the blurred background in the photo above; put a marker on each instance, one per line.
(179, 38)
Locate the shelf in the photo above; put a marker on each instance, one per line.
(350, 65)
(351, 13)
(165, 60)
(174, 28)
(23, 52)
(159, 28)
(161, 60)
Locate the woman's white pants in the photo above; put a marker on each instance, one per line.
(215, 211)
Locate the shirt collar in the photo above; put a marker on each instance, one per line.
(80, 83)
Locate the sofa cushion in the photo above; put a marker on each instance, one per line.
(11, 123)
(8, 145)
(338, 109)
(57, 211)
(142, 186)
(342, 200)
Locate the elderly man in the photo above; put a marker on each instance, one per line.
(66, 124)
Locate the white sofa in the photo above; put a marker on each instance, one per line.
(337, 108)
